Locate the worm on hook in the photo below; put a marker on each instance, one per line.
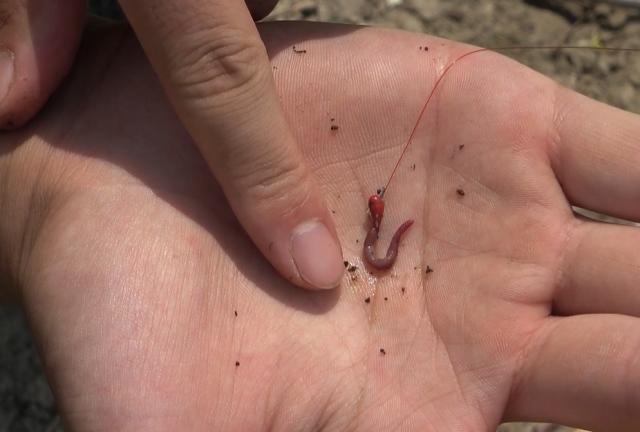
(376, 202)
(376, 211)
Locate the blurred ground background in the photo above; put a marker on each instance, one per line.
(26, 404)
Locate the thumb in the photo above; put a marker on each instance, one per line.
(38, 41)
(216, 71)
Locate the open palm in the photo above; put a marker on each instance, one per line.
(154, 311)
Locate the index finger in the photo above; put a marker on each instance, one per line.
(215, 69)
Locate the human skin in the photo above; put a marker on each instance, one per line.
(215, 71)
(131, 267)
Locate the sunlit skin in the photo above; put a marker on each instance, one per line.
(154, 311)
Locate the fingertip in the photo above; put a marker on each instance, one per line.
(38, 41)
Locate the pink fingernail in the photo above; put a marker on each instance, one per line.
(6, 72)
(317, 255)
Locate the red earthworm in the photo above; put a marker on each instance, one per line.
(376, 202)
(376, 211)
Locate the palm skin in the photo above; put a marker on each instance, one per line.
(154, 311)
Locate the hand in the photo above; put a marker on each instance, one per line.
(132, 267)
(215, 70)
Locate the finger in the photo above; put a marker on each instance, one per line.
(583, 371)
(601, 271)
(215, 69)
(595, 154)
(38, 40)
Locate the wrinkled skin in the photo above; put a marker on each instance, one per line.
(131, 266)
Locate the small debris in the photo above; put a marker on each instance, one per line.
(460, 191)
(346, 264)
(357, 241)
(429, 270)
(386, 298)
(461, 146)
(413, 167)
(455, 15)
(237, 363)
(354, 278)
(613, 19)
(382, 351)
(423, 48)
(308, 9)
(334, 127)
(333, 119)
(352, 268)
(403, 289)
(367, 300)
(299, 51)
(235, 312)
(333, 211)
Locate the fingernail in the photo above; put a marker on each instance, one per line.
(317, 255)
(6, 72)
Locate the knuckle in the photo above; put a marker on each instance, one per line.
(12, 12)
(275, 181)
(219, 67)
(5, 17)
